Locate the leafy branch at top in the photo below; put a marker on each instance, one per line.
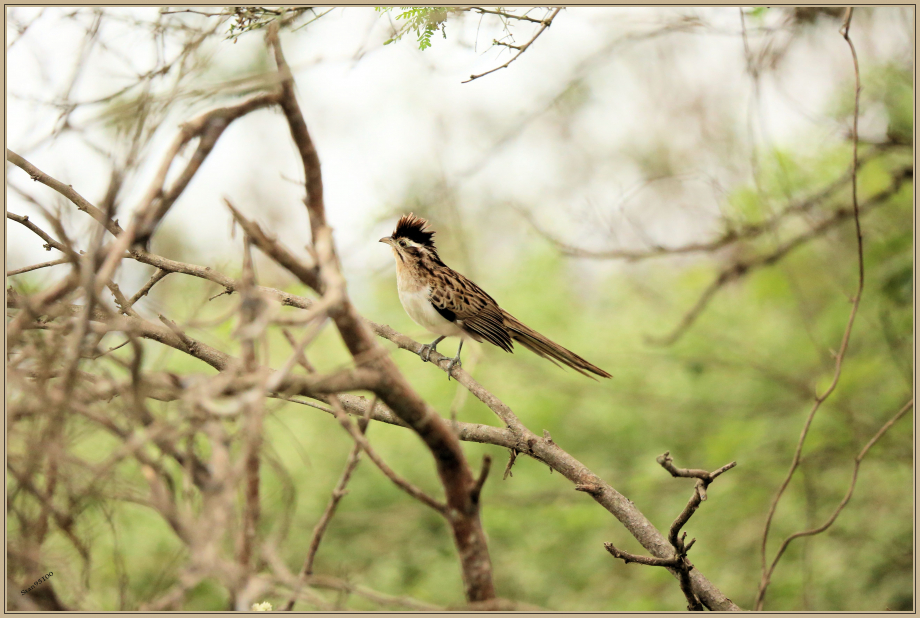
(424, 21)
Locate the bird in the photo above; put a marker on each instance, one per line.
(448, 304)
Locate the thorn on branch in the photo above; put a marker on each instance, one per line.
(511, 460)
(483, 475)
(627, 557)
(588, 488)
(227, 291)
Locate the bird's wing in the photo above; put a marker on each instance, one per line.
(461, 301)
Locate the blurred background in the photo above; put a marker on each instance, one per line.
(596, 188)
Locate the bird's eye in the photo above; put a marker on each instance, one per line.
(402, 242)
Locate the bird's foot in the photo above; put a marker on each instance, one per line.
(425, 352)
(454, 362)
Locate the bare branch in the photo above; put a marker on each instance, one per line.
(678, 564)
(66, 190)
(842, 349)
(846, 499)
(742, 268)
(50, 243)
(483, 475)
(544, 24)
(28, 269)
(500, 13)
(157, 276)
(627, 557)
(337, 494)
(309, 274)
(512, 457)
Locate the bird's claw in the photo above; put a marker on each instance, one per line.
(454, 362)
(425, 352)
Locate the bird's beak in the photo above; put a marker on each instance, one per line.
(387, 240)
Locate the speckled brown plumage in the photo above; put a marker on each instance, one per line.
(461, 302)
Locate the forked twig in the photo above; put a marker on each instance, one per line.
(544, 24)
(678, 562)
(846, 498)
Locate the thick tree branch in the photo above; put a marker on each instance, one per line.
(394, 390)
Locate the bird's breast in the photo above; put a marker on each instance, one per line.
(415, 300)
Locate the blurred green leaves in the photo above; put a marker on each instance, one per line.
(423, 21)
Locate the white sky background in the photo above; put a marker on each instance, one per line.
(398, 118)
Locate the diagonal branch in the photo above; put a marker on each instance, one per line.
(66, 190)
(50, 243)
(28, 269)
(157, 276)
(742, 268)
(735, 234)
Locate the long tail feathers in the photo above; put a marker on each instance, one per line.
(541, 346)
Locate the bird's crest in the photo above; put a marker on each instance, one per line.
(415, 229)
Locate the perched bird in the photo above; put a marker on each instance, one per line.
(450, 305)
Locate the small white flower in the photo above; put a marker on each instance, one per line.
(262, 607)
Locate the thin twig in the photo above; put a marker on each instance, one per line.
(157, 276)
(500, 13)
(27, 269)
(742, 268)
(337, 494)
(846, 498)
(844, 344)
(50, 243)
(123, 305)
(342, 416)
(544, 24)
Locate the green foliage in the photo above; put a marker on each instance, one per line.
(423, 21)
